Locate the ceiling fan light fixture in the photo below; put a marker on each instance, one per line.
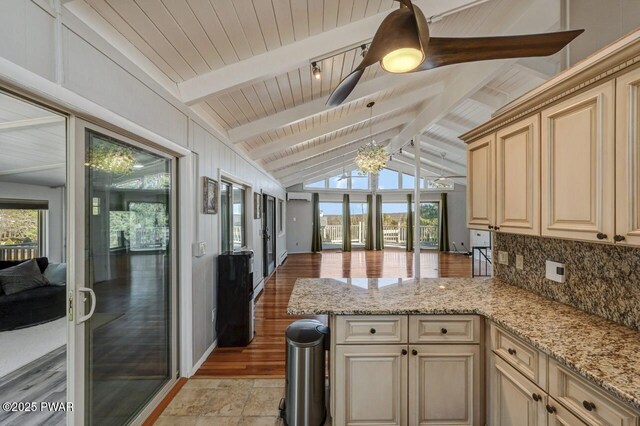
(315, 70)
(404, 59)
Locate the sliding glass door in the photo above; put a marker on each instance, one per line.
(126, 325)
(331, 225)
(429, 224)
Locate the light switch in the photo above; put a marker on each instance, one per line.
(519, 261)
(199, 248)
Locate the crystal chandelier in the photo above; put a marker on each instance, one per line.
(372, 157)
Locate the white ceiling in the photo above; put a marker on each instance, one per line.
(244, 66)
(32, 143)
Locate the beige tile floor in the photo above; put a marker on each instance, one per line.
(223, 402)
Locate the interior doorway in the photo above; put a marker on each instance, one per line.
(269, 233)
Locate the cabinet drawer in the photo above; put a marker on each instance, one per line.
(444, 329)
(525, 358)
(584, 399)
(371, 329)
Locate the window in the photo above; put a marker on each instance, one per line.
(408, 181)
(429, 224)
(22, 229)
(388, 179)
(331, 225)
(232, 216)
(337, 183)
(281, 216)
(359, 180)
(359, 213)
(394, 223)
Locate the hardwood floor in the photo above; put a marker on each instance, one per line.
(265, 356)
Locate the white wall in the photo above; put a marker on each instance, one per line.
(299, 231)
(55, 224)
(67, 64)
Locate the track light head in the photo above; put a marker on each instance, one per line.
(315, 70)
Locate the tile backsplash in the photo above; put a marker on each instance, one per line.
(600, 279)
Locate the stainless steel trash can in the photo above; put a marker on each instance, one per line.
(304, 401)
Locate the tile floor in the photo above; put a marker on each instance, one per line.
(223, 402)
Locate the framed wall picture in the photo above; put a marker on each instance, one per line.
(210, 195)
(257, 205)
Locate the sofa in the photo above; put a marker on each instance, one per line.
(34, 306)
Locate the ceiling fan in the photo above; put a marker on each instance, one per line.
(344, 174)
(444, 177)
(402, 44)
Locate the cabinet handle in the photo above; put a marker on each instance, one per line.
(444, 331)
(372, 331)
(601, 236)
(589, 406)
(490, 226)
(618, 238)
(511, 351)
(414, 352)
(404, 352)
(536, 397)
(551, 409)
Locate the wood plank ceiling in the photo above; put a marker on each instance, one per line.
(274, 111)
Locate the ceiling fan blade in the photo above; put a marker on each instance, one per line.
(447, 51)
(345, 87)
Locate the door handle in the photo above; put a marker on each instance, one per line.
(84, 299)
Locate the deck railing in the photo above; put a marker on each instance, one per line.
(393, 234)
(19, 252)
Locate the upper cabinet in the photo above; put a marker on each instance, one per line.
(518, 177)
(480, 184)
(563, 160)
(628, 159)
(578, 164)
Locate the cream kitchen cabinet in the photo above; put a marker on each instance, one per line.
(481, 183)
(371, 385)
(518, 177)
(444, 385)
(578, 166)
(628, 159)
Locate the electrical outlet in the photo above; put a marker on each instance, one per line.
(555, 271)
(519, 261)
(503, 257)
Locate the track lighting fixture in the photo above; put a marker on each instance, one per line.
(315, 70)
(364, 50)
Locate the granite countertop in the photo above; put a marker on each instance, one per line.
(603, 352)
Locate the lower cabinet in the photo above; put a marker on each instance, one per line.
(372, 389)
(415, 385)
(444, 385)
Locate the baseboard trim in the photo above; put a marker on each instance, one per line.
(204, 357)
(258, 289)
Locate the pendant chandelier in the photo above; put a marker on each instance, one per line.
(372, 157)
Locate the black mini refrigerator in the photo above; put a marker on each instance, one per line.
(234, 319)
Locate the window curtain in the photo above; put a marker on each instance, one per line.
(346, 223)
(316, 237)
(368, 239)
(379, 228)
(443, 238)
(409, 223)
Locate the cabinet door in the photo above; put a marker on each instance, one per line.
(480, 183)
(578, 166)
(518, 177)
(628, 158)
(371, 385)
(561, 416)
(514, 400)
(444, 385)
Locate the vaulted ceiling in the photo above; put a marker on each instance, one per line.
(244, 67)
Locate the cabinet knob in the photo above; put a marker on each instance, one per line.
(490, 226)
(536, 397)
(589, 406)
(496, 228)
(372, 331)
(618, 238)
(404, 352)
(551, 409)
(601, 236)
(511, 351)
(414, 352)
(443, 331)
